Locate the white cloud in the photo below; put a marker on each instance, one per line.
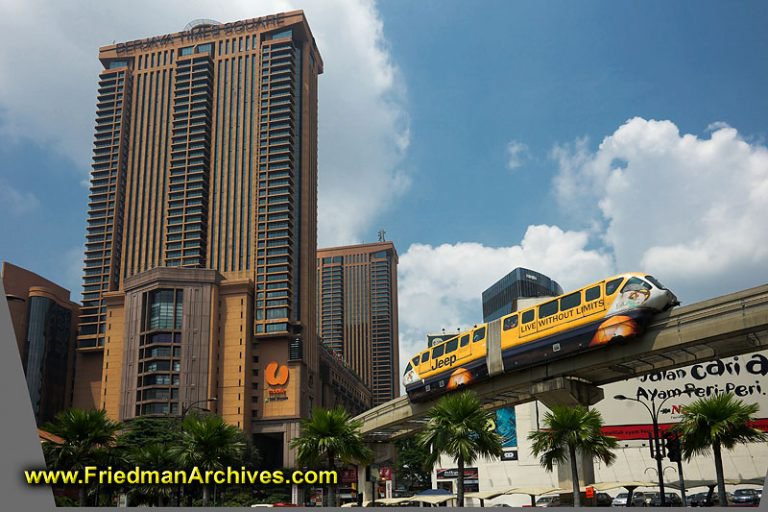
(693, 211)
(440, 287)
(516, 153)
(16, 202)
(48, 89)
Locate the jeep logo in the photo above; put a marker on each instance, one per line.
(442, 363)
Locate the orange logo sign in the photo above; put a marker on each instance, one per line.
(276, 375)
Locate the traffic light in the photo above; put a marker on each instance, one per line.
(673, 447)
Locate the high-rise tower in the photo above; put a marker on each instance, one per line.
(357, 312)
(199, 272)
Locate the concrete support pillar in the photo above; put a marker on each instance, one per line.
(383, 453)
(565, 391)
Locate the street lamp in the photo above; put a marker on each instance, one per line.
(654, 411)
(185, 409)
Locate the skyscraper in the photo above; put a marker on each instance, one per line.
(501, 297)
(199, 272)
(357, 312)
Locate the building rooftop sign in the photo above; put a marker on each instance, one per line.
(201, 31)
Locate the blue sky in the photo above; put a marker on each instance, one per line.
(639, 130)
(543, 73)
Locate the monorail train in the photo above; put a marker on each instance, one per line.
(602, 313)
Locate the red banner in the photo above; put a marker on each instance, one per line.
(628, 432)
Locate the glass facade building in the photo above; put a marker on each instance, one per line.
(501, 297)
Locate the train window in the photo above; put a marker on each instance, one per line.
(415, 360)
(464, 340)
(592, 293)
(510, 322)
(408, 368)
(570, 301)
(612, 286)
(548, 309)
(527, 316)
(479, 334)
(425, 357)
(635, 284)
(451, 345)
(438, 351)
(655, 282)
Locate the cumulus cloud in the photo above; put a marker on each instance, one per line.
(16, 202)
(48, 90)
(516, 153)
(690, 209)
(440, 287)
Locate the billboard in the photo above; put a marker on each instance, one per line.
(744, 376)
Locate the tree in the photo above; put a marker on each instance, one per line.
(330, 434)
(459, 427)
(210, 444)
(411, 464)
(157, 457)
(569, 430)
(86, 435)
(717, 422)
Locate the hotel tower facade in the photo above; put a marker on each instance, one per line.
(199, 286)
(357, 312)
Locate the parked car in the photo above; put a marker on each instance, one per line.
(672, 500)
(548, 501)
(603, 499)
(700, 499)
(638, 499)
(746, 497)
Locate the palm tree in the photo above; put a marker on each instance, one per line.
(458, 426)
(717, 422)
(158, 457)
(86, 435)
(568, 430)
(208, 443)
(328, 435)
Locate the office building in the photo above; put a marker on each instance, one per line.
(501, 298)
(357, 312)
(199, 272)
(45, 324)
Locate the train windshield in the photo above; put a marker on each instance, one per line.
(407, 368)
(635, 284)
(655, 282)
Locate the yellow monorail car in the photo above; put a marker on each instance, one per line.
(608, 311)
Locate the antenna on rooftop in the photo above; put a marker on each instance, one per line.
(381, 235)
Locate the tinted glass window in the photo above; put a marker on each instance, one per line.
(635, 284)
(548, 309)
(438, 351)
(510, 322)
(415, 360)
(655, 282)
(408, 368)
(425, 357)
(465, 340)
(479, 334)
(451, 345)
(612, 286)
(527, 316)
(570, 301)
(592, 294)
